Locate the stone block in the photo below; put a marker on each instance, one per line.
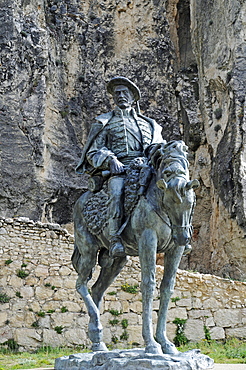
(3, 317)
(171, 331)
(177, 312)
(41, 271)
(75, 336)
(209, 321)
(27, 292)
(184, 302)
(43, 293)
(136, 306)
(197, 314)
(69, 283)
(27, 337)
(135, 334)
(64, 271)
(239, 332)
(61, 295)
(194, 330)
(64, 319)
(6, 332)
(72, 306)
(83, 320)
(52, 338)
(227, 317)
(211, 303)
(217, 333)
(16, 282)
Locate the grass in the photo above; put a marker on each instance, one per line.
(44, 357)
(231, 352)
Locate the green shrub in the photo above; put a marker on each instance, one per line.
(4, 298)
(22, 274)
(115, 312)
(8, 262)
(124, 335)
(41, 313)
(124, 323)
(114, 322)
(133, 289)
(59, 329)
(180, 337)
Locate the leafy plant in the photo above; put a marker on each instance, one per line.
(180, 337)
(4, 298)
(47, 285)
(207, 333)
(124, 335)
(18, 294)
(115, 339)
(35, 324)
(115, 312)
(112, 293)
(175, 299)
(22, 274)
(41, 313)
(12, 345)
(59, 329)
(23, 265)
(8, 262)
(114, 322)
(64, 309)
(50, 311)
(133, 289)
(124, 323)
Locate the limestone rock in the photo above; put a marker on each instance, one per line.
(134, 359)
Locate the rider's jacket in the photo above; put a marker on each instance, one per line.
(121, 133)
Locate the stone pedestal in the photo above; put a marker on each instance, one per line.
(134, 359)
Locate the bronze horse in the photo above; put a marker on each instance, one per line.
(160, 222)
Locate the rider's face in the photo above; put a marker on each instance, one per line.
(123, 97)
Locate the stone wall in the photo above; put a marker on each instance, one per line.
(42, 307)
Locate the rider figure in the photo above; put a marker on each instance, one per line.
(114, 141)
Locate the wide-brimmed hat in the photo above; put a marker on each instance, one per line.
(119, 80)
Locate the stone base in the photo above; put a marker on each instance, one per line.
(134, 359)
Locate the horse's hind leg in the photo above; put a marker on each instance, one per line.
(171, 262)
(84, 266)
(105, 279)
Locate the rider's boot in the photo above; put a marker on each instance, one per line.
(116, 248)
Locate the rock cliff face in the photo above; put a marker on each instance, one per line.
(187, 57)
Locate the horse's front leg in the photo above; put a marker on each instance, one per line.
(171, 263)
(147, 256)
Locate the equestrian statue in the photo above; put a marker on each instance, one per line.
(140, 202)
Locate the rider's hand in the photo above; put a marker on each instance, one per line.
(116, 167)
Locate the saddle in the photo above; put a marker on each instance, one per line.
(95, 212)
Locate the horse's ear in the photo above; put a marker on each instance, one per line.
(193, 184)
(161, 184)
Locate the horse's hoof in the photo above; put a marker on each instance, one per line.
(154, 349)
(169, 349)
(101, 346)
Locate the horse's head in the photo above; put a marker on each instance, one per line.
(171, 164)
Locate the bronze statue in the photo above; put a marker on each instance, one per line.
(114, 141)
(140, 203)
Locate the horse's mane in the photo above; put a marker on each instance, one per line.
(168, 154)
